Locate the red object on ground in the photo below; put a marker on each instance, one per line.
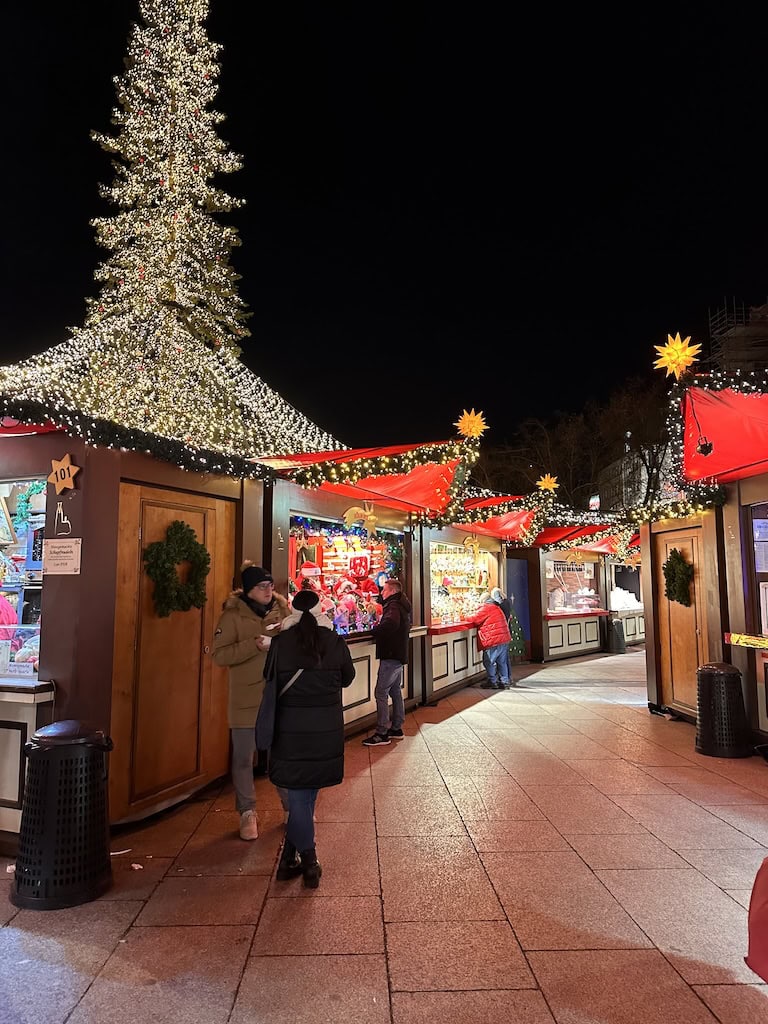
(757, 924)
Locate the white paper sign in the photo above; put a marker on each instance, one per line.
(761, 556)
(61, 556)
(764, 609)
(21, 668)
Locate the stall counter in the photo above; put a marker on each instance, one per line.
(25, 706)
(570, 632)
(359, 698)
(455, 654)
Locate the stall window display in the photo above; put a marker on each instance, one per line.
(347, 566)
(22, 524)
(572, 585)
(625, 590)
(460, 579)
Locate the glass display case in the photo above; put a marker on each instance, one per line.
(573, 584)
(460, 578)
(346, 566)
(22, 519)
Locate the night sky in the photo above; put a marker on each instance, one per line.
(447, 207)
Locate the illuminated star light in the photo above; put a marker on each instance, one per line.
(676, 356)
(547, 483)
(471, 424)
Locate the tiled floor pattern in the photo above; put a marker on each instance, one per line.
(554, 853)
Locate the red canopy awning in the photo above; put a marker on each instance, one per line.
(300, 460)
(424, 489)
(732, 426)
(427, 487)
(10, 426)
(511, 526)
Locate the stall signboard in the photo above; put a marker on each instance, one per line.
(61, 557)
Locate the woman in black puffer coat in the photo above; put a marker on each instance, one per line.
(307, 752)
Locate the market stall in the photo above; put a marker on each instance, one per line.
(342, 522)
(557, 581)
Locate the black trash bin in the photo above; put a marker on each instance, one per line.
(721, 721)
(616, 642)
(63, 858)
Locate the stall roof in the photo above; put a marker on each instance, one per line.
(204, 410)
(425, 480)
(725, 433)
(537, 520)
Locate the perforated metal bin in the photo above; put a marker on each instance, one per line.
(63, 858)
(721, 720)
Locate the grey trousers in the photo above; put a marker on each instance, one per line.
(243, 749)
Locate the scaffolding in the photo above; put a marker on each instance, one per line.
(739, 337)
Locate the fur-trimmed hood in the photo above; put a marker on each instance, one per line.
(322, 620)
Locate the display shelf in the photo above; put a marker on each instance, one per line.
(457, 582)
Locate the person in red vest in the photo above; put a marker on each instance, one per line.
(493, 640)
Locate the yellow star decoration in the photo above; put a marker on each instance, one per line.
(677, 355)
(547, 483)
(471, 424)
(62, 473)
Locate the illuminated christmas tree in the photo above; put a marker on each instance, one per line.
(155, 366)
(516, 639)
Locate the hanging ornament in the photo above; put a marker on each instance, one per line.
(471, 543)
(365, 515)
(676, 356)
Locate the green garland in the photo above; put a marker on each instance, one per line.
(678, 576)
(161, 559)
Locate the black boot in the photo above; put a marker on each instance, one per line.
(310, 867)
(289, 865)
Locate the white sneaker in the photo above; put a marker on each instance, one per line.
(249, 827)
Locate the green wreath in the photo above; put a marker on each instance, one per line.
(161, 558)
(678, 576)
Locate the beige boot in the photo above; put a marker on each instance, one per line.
(249, 827)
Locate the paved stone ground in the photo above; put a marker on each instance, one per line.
(553, 853)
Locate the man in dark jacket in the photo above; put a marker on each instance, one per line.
(391, 636)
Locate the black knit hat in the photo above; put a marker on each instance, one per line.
(253, 575)
(305, 601)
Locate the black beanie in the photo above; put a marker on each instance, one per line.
(252, 575)
(305, 600)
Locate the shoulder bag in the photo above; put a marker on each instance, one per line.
(265, 719)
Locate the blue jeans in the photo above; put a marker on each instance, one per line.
(300, 829)
(388, 684)
(496, 662)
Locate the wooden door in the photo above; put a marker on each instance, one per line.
(681, 630)
(169, 701)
